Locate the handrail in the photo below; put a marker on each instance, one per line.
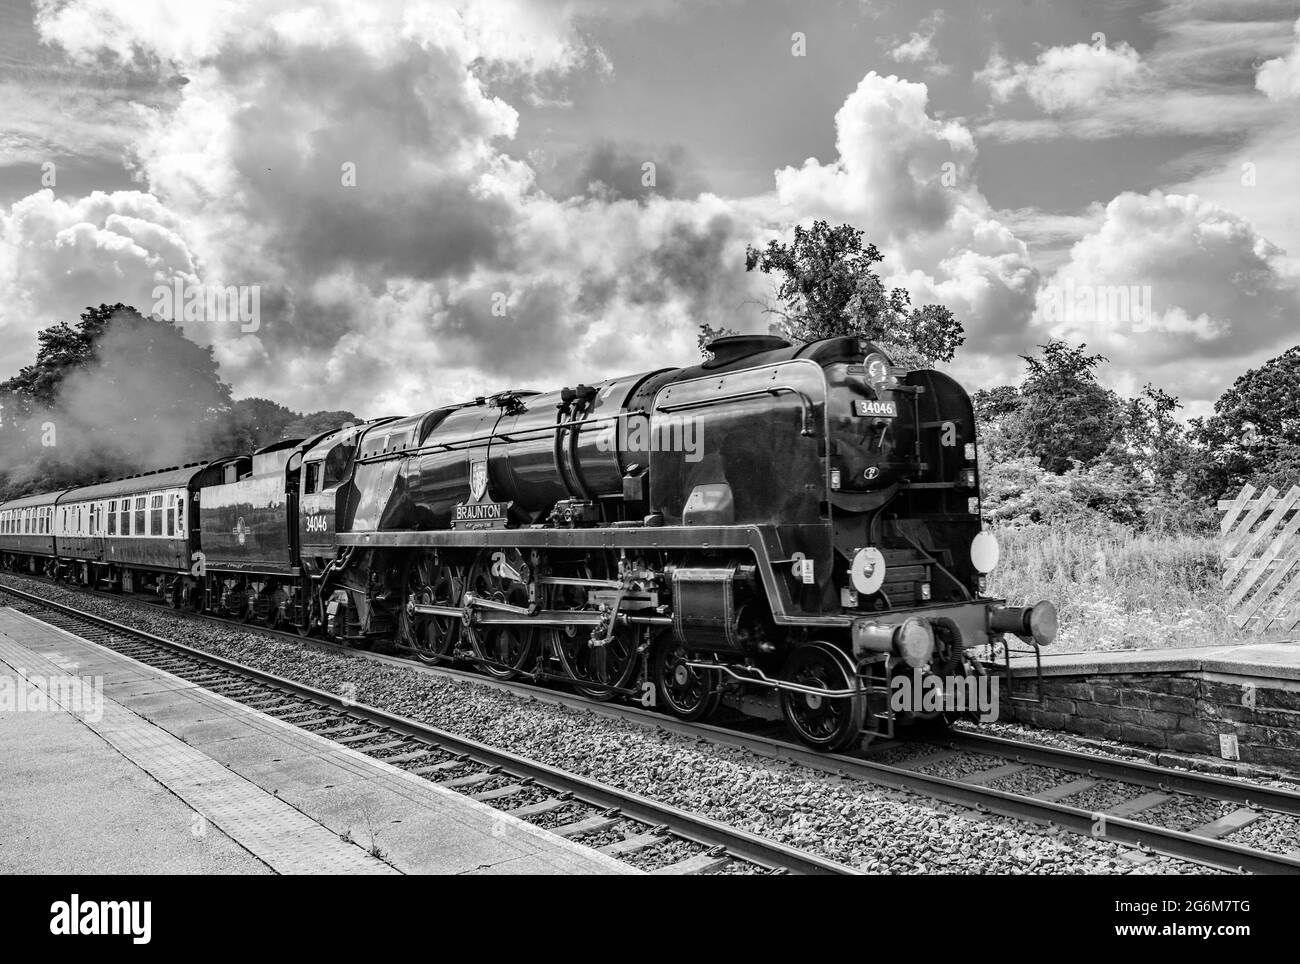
(805, 402)
(531, 434)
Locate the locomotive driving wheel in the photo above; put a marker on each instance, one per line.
(502, 649)
(427, 583)
(683, 691)
(598, 667)
(823, 722)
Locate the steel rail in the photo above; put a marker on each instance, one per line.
(691, 826)
(1131, 771)
(1173, 843)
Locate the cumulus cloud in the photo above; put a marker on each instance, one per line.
(1279, 78)
(919, 47)
(623, 170)
(907, 177)
(1193, 79)
(360, 173)
(442, 268)
(1170, 286)
(1067, 77)
(58, 256)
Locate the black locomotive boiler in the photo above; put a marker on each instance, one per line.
(788, 528)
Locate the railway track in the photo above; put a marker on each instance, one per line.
(568, 804)
(1122, 823)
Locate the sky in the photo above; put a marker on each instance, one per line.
(435, 200)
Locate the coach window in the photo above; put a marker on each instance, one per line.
(140, 528)
(155, 515)
(171, 517)
(112, 517)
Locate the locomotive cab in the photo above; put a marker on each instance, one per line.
(322, 495)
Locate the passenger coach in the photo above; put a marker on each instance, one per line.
(133, 534)
(27, 533)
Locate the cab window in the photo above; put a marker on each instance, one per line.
(311, 476)
(338, 463)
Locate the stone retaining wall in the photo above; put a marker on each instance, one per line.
(1189, 712)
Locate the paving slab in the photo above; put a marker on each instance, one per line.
(72, 804)
(296, 801)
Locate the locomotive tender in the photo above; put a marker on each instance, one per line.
(786, 527)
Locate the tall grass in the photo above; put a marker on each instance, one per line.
(1115, 588)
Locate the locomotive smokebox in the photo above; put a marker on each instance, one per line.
(912, 640)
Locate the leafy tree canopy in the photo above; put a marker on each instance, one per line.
(118, 393)
(1254, 434)
(828, 287)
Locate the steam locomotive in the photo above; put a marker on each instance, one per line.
(789, 529)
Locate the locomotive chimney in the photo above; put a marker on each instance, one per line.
(732, 347)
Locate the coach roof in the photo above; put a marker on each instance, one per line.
(33, 501)
(148, 482)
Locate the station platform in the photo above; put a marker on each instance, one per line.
(108, 765)
(1239, 704)
(1269, 660)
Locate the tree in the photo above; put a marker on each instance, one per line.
(60, 349)
(1254, 432)
(707, 334)
(1065, 416)
(249, 424)
(828, 287)
(305, 426)
(1151, 441)
(996, 422)
(113, 394)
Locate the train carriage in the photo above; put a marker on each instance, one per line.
(137, 533)
(27, 533)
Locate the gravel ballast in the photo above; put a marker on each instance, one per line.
(875, 829)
